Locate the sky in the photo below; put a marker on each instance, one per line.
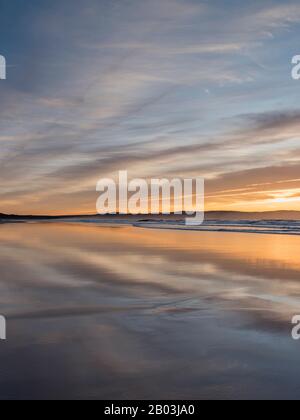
(161, 88)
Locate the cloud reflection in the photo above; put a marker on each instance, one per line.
(116, 316)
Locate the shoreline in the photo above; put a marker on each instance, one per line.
(263, 227)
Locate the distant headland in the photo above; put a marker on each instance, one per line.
(209, 215)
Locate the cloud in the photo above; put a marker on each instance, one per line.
(124, 85)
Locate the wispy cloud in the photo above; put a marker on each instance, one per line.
(165, 87)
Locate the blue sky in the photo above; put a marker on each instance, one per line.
(161, 88)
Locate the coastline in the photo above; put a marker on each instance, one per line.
(262, 227)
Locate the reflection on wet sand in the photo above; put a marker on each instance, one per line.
(123, 312)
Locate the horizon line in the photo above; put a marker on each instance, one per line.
(142, 214)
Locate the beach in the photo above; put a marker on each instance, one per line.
(122, 312)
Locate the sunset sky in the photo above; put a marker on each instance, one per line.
(162, 88)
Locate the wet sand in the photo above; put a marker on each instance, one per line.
(122, 312)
